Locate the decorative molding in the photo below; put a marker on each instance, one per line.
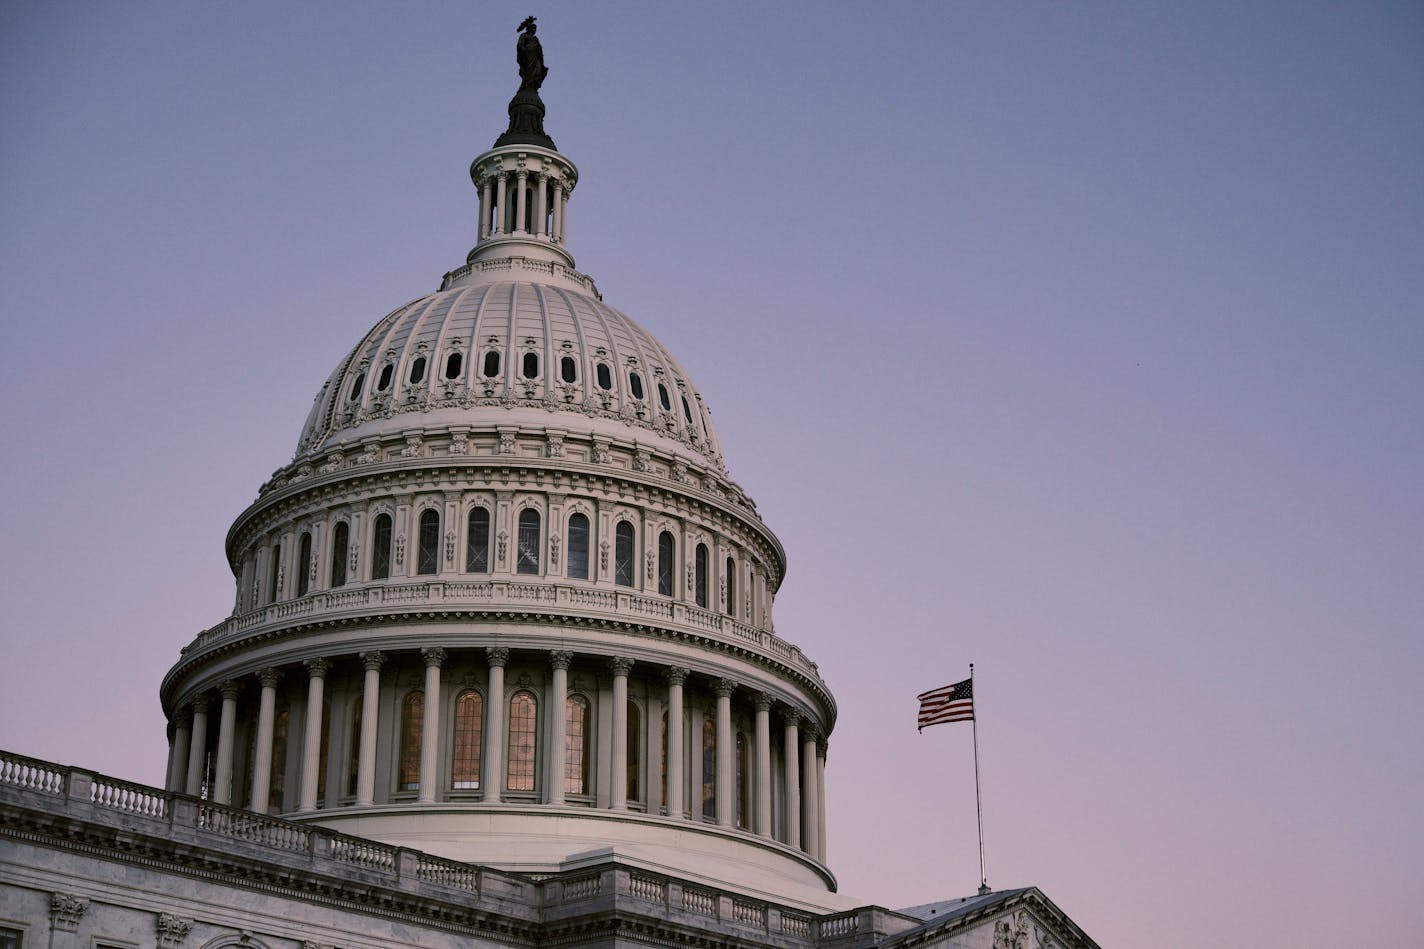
(620, 666)
(172, 930)
(433, 656)
(724, 687)
(676, 675)
(497, 656)
(65, 911)
(560, 658)
(373, 660)
(317, 668)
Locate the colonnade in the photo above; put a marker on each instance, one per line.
(799, 788)
(523, 203)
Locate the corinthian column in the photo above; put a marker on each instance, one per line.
(726, 805)
(370, 715)
(198, 748)
(182, 735)
(790, 746)
(227, 724)
(558, 733)
(812, 804)
(262, 752)
(821, 793)
(676, 675)
(763, 764)
(494, 725)
(621, 667)
(311, 741)
(430, 726)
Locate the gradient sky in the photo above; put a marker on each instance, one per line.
(1082, 341)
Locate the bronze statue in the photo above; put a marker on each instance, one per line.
(530, 56)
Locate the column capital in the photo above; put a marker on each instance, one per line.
(791, 716)
(373, 660)
(433, 656)
(822, 747)
(230, 689)
(65, 910)
(724, 687)
(183, 718)
(763, 701)
(676, 675)
(810, 731)
(497, 656)
(199, 704)
(318, 668)
(560, 658)
(269, 677)
(621, 665)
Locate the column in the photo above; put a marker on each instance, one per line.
(793, 777)
(563, 217)
(521, 201)
(430, 725)
(227, 724)
(182, 735)
(501, 207)
(726, 772)
(493, 776)
(311, 741)
(621, 667)
(557, 231)
(811, 834)
(484, 230)
(821, 795)
(370, 716)
(763, 764)
(198, 748)
(541, 205)
(676, 675)
(558, 720)
(262, 751)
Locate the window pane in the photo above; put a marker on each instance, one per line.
(412, 722)
(277, 788)
(623, 554)
(353, 760)
(381, 542)
(477, 543)
(356, 386)
(635, 752)
(578, 547)
(700, 588)
(275, 573)
(605, 377)
(453, 364)
(576, 735)
(663, 398)
(384, 382)
(528, 552)
(340, 550)
(531, 365)
(568, 369)
(709, 768)
(523, 720)
(491, 365)
(304, 564)
(731, 604)
(429, 557)
(469, 725)
(635, 385)
(417, 370)
(665, 565)
(743, 773)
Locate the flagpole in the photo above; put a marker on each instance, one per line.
(978, 800)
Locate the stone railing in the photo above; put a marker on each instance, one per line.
(495, 595)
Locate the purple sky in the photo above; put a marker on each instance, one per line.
(1082, 341)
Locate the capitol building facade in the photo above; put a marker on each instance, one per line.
(501, 668)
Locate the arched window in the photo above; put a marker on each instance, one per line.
(274, 575)
(491, 368)
(605, 376)
(568, 369)
(709, 768)
(531, 365)
(731, 605)
(453, 364)
(340, 550)
(665, 563)
(623, 554)
(412, 722)
(700, 576)
(635, 752)
(477, 542)
(523, 735)
(304, 564)
(578, 547)
(528, 550)
(428, 559)
(381, 547)
(577, 731)
(353, 759)
(743, 780)
(469, 724)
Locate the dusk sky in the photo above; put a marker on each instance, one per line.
(1082, 341)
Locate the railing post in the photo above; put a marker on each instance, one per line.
(79, 785)
(407, 866)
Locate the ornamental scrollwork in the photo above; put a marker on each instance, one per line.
(400, 550)
(172, 930)
(459, 444)
(450, 547)
(65, 911)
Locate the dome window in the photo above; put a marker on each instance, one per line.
(453, 364)
(428, 556)
(568, 369)
(528, 550)
(340, 547)
(605, 377)
(686, 410)
(469, 724)
(381, 548)
(699, 586)
(665, 566)
(578, 547)
(635, 385)
(477, 541)
(623, 554)
(531, 365)
(384, 382)
(417, 371)
(356, 387)
(491, 364)
(523, 742)
(663, 398)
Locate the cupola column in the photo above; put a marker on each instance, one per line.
(558, 721)
(790, 745)
(541, 205)
(198, 747)
(494, 725)
(370, 716)
(311, 735)
(811, 805)
(227, 725)
(430, 725)
(821, 792)
(676, 675)
(182, 735)
(262, 750)
(485, 209)
(725, 802)
(763, 764)
(501, 206)
(521, 201)
(557, 232)
(621, 667)
(563, 213)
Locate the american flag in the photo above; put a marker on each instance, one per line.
(953, 703)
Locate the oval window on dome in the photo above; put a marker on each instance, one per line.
(417, 370)
(384, 382)
(663, 398)
(686, 410)
(531, 365)
(356, 387)
(453, 364)
(491, 364)
(568, 369)
(635, 385)
(605, 377)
